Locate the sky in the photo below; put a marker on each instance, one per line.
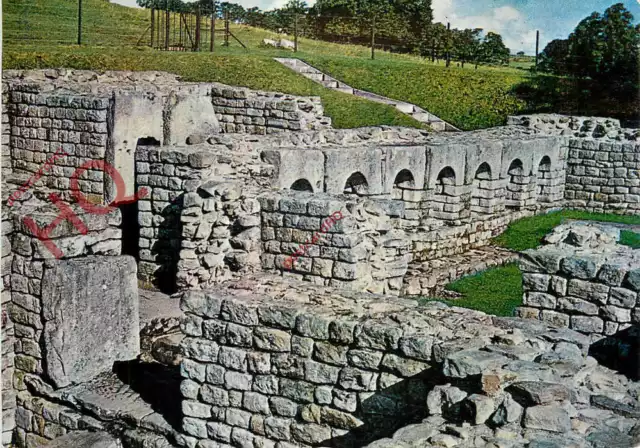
(516, 20)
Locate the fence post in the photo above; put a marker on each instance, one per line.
(295, 33)
(79, 22)
(167, 21)
(198, 20)
(153, 25)
(226, 28)
(373, 38)
(213, 26)
(448, 44)
(537, 48)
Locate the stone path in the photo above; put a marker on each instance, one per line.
(327, 81)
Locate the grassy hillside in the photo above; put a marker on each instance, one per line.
(42, 33)
(468, 98)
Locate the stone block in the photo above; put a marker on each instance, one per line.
(189, 115)
(90, 309)
(586, 324)
(296, 169)
(547, 418)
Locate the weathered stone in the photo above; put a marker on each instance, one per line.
(547, 418)
(90, 309)
(84, 439)
(530, 393)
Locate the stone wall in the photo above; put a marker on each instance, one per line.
(220, 233)
(255, 372)
(47, 123)
(288, 364)
(166, 174)
(603, 176)
(334, 240)
(8, 334)
(585, 281)
(246, 111)
(28, 267)
(5, 152)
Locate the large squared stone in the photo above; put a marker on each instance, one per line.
(90, 310)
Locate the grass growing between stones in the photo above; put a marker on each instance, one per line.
(495, 291)
(527, 233)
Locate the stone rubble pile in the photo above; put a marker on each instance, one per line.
(570, 126)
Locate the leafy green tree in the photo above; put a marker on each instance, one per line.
(236, 12)
(467, 45)
(493, 50)
(554, 57)
(603, 47)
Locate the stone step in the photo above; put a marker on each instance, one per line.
(327, 81)
(329, 84)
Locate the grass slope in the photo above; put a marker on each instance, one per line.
(465, 97)
(41, 34)
(35, 28)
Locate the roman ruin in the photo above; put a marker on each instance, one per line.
(219, 304)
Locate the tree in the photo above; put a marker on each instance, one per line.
(554, 57)
(235, 12)
(520, 53)
(296, 7)
(603, 47)
(467, 45)
(493, 50)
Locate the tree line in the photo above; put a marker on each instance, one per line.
(603, 47)
(404, 26)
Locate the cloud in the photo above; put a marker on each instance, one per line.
(507, 21)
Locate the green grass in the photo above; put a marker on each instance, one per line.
(631, 239)
(467, 98)
(41, 34)
(495, 291)
(498, 290)
(36, 30)
(527, 233)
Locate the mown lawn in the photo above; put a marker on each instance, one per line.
(631, 239)
(467, 98)
(498, 290)
(527, 233)
(495, 291)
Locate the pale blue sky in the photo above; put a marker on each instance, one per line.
(516, 20)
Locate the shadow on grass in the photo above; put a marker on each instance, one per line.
(563, 95)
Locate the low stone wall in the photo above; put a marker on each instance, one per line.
(289, 364)
(333, 240)
(603, 176)
(246, 111)
(261, 372)
(594, 290)
(46, 123)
